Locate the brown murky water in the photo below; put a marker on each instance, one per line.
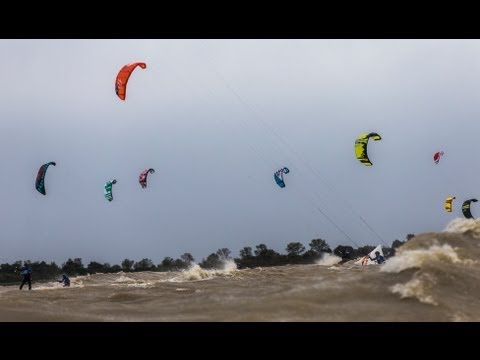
(434, 277)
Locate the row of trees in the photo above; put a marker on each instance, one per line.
(296, 253)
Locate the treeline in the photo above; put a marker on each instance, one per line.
(296, 253)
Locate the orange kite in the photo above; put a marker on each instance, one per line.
(123, 76)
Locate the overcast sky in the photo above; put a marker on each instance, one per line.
(216, 119)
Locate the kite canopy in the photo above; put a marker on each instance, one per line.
(278, 176)
(108, 189)
(361, 147)
(40, 181)
(448, 203)
(142, 179)
(367, 259)
(122, 78)
(436, 156)
(466, 208)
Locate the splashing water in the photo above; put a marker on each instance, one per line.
(464, 226)
(196, 273)
(433, 277)
(416, 288)
(328, 260)
(411, 259)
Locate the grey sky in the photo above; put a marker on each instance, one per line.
(215, 119)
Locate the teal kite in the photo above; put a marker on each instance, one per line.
(278, 176)
(108, 189)
(40, 181)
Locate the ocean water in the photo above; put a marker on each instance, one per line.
(433, 277)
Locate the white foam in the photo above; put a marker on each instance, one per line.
(124, 279)
(414, 288)
(196, 273)
(411, 259)
(229, 266)
(45, 286)
(143, 285)
(462, 226)
(460, 317)
(56, 285)
(328, 260)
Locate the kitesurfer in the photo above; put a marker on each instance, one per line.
(26, 272)
(378, 258)
(65, 280)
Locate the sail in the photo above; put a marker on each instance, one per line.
(367, 259)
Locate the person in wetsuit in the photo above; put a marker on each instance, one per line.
(378, 258)
(65, 280)
(26, 272)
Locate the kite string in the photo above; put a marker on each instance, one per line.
(268, 161)
(269, 128)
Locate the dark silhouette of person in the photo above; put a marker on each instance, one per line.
(65, 280)
(26, 272)
(378, 258)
